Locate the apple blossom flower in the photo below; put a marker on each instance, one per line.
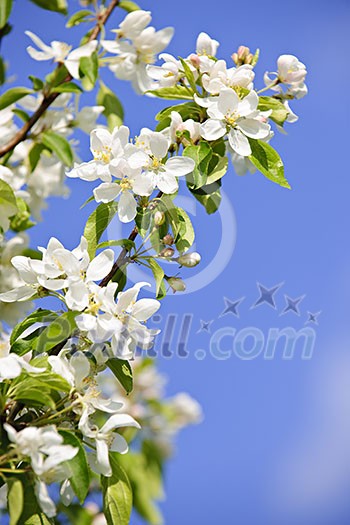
(136, 47)
(168, 74)
(291, 73)
(105, 147)
(61, 52)
(12, 365)
(238, 118)
(235, 77)
(177, 125)
(105, 439)
(150, 159)
(122, 322)
(130, 182)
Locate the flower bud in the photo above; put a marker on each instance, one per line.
(168, 239)
(243, 56)
(189, 259)
(176, 284)
(167, 252)
(159, 218)
(194, 59)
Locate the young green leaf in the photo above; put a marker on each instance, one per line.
(5, 10)
(79, 17)
(185, 237)
(158, 274)
(14, 499)
(173, 93)
(117, 494)
(35, 317)
(201, 154)
(97, 223)
(59, 330)
(59, 6)
(78, 466)
(113, 111)
(122, 371)
(279, 111)
(68, 87)
(58, 145)
(12, 95)
(8, 203)
(126, 243)
(268, 161)
(89, 68)
(128, 6)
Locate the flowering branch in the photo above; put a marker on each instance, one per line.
(21, 135)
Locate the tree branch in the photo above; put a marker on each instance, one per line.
(49, 99)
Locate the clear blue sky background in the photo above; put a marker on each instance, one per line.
(275, 443)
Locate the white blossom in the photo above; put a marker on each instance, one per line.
(160, 175)
(136, 47)
(61, 52)
(238, 118)
(291, 73)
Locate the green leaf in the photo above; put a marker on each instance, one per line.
(97, 223)
(80, 472)
(21, 221)
(126, 243)
(209, 196)
(187, 110)
(189, 75)
(201, 154)
(78, 17)
(268, 161)
(8, 205)
(185, 236)
(34, 155)
(57, 76)
(59, 330)
(38, 84)
(36, 317)
(59, 6)
(5, 10)
(158, 274)
(128, 6)
(117, 494)
(68, 87)
(33, 392)
(12, 95)
(279, 111)
(89, 68)
(58, 145)
(217, 168)
(14, 499)
(122, 371)
(143, 220)
(113, 111)
(23, 115)
(173, 93)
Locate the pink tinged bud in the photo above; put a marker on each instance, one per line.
(194, 59)
(168, 239)
(159, 218)
(189, 260)
(176, 284)
(167, 252)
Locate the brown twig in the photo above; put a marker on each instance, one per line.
(49, 99)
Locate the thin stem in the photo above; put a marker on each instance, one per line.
(49, 99)
(273, 84)
(122, 256)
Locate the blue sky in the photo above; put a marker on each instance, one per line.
(274, 446)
